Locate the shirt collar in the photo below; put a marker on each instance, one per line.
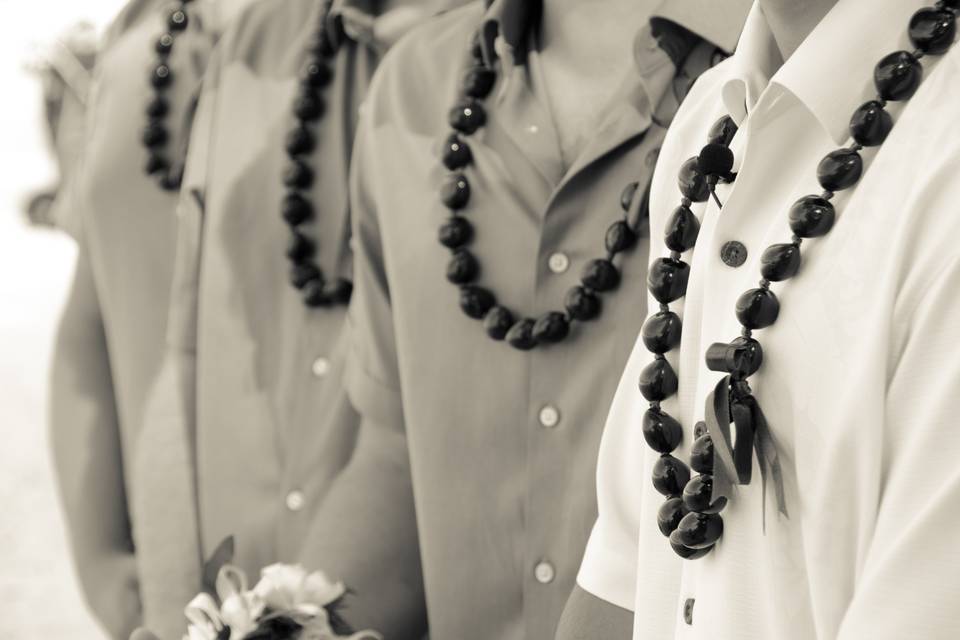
(831, 72)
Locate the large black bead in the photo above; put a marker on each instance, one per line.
(686, 552)
(715, 159)
(600, 275)
(339, 291)
(692, 181)
(157, 107)
(670, 476)
(178, 20)
(840, 169)
(932, 31)
(658, 380)
(552, 326)
(308, 105)
(698, 494)
(303, 273)
(620, 237)
(627, 195)
(315, 294)
(897, 76)
(479, 81)
(463, 267)
(455, 232)
(661, 332)
(670, 514)
(161, 76)
(667, 279)
(296, 209)
(699, 530)
(455, 192)
(456, 153)
(812, 217)
(297, 174)
(780, 262)
(682, 231)
(520, 335)
(155, 164)
(661, 431)
(299, 141)
(171, 180)
(154, 135)
(722, 131)
(582, 304)
(476, 301)
(758, 308)
(497, 322)
(701, 454)
(316, 74)
(300, 247)
(467, 117)
(870, 124)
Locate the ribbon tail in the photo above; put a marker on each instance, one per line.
(768, 460)
(717, 417)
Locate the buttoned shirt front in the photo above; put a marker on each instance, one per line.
(500, 441)
(860, 376)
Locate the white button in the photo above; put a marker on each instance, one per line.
(295, 500)
(321, 367)
(549, 416)
(558, 262)
(533, 129)
(544, 572)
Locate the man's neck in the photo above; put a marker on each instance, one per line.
(791, 21)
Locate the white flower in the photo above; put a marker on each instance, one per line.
(290, 588)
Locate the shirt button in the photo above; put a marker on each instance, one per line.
(549, 416)
(533, 129)
(544, 572)
(558, 262)
(320, 367)
(688, 611)
(733, 253)
(295, 500)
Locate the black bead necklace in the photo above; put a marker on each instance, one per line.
(155, 134)
(582, 302)
(690, 517)
(298, 176)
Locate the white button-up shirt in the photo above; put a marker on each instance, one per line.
(861, 377)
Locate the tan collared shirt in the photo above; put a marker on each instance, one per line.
(500, 441)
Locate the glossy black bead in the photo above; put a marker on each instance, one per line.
(476, 301)
(701, 454)
(479, 81)
(897, 76)
(467, 117)
(296, 209)
(171, 180)
(582, 304)
(497, 322)
(297, 174)
(315, 293)
(952, 4)
(662, 433)
(299, 141)
(870, 124)
(840, 169)
(339, 291)
(812, 216)
(699, 530)
(620, 237)
(670, 476)
(627, 196)
(682, 230)
(932, 31)
(722, 131)
(455, 232)
(658, 381)
(463, 267)
(780, 262)
(308, 105)
(299, 247)
(302, 273)
(740, 358)
(661, 332)
(316, 74)
(164, 44)
(667, 279)
(698, 494)
(161, 76)
(686, 552)
(552, 326)
(600, 275)
(715, 160)
(157, 107)
(154, 135)
(670, 514)
(456, 153)
(520, 335)
(758, 308)
(155, 164)
(455, 192)
(692, 181)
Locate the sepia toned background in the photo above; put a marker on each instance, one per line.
(39, 597)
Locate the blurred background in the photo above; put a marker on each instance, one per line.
(39, 597)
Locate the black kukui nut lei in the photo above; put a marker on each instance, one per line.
(690, 517)
(296, 207)
(582, 302)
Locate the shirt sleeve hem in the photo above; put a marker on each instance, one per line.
(608, 573)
